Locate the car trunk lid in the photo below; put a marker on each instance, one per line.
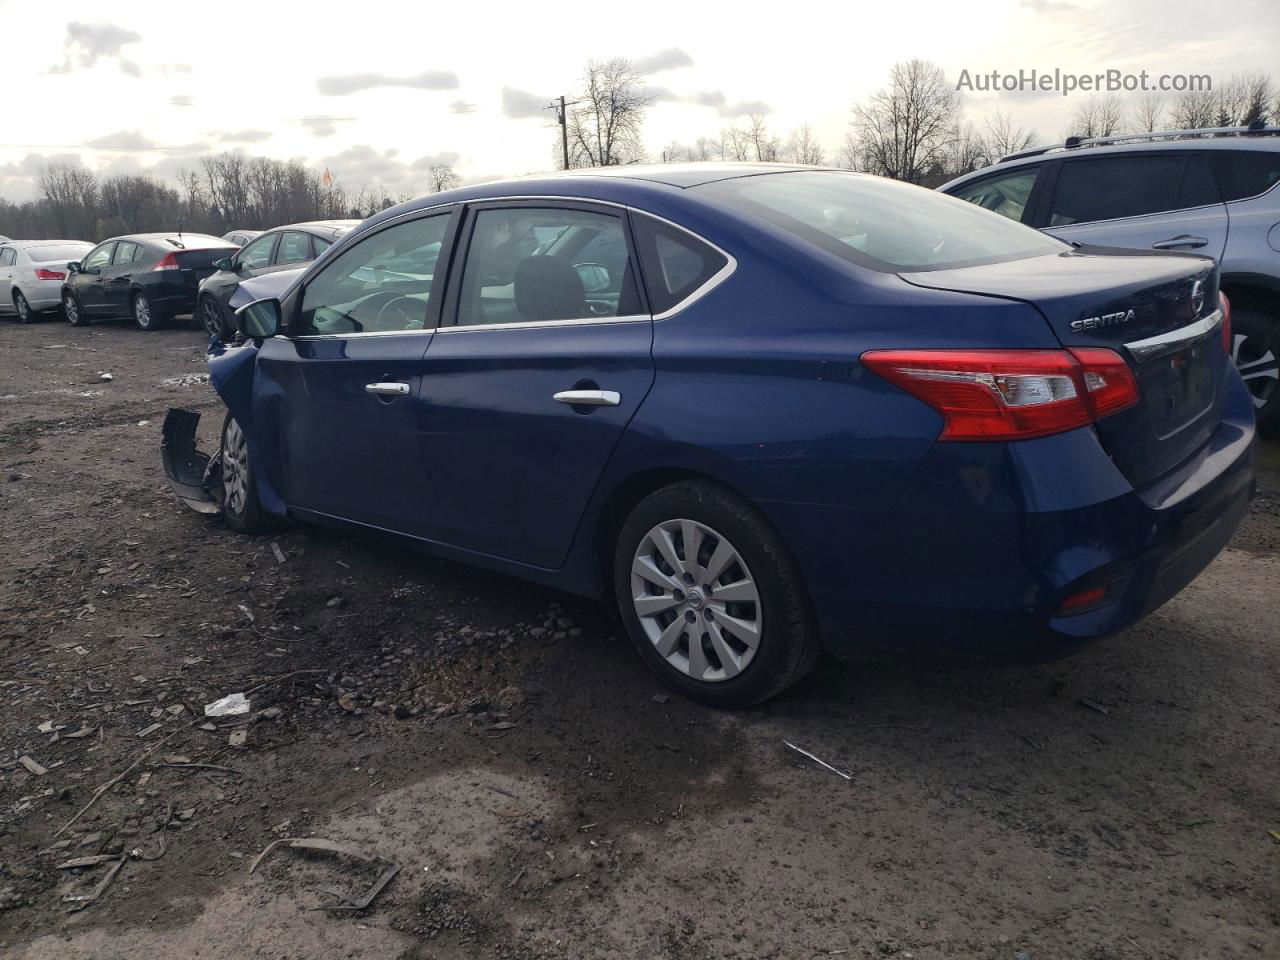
(1158, 311)
(198, 264)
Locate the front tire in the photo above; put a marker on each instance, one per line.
(25, 313)
(214, 320)
(711, 597)
(72, 310)
(1255, 348)
(240, 505)
(145, 315)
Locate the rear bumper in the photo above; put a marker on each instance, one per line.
(990, 539)
(41, 294)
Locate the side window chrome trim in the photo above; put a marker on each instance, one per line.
(359, 333)
(713, 281)
(536, 324)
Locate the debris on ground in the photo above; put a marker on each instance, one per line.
(80, 901)
(1095, 705)
(817, 760)
(232, 705)
(329, 847)
(32, 767)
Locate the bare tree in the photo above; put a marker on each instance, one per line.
(604, 128)
(442, 177)
(1005, 137)
(1195, 109)
(674, 152)
(708, 148)
(1244, 99)
(764, 145)
(803, 147)
(737, 143)
(851, 155)
(1148, 113)
(71, 194)
(1097, 117)
(904, 128)
(967, 150)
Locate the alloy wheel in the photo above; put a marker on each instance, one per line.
(71, 308)
(1258, 366)
(21, 305)
(211, 316)
(235, 469)
(696, 600)
(142, 311)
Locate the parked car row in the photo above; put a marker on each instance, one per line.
(152, 277)
(1177, 190)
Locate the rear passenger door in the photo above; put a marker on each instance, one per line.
(543, 358)
(8, 258)
(117, 277)
(1163, 200)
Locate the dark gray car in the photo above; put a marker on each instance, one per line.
(283, 248)
(1208, 192)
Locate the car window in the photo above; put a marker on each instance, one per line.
(125, 253)
(257, 254)
(527, 264)
(99, 257)
(7, 256)
(1006, 194)
(56, 252)
(675, 263)
(294, 247)
(878, 223)
(319, 246)
(1107, 188)
(381, 284)
(1247, 173)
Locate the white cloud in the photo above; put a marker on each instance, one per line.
(345, 84)
(240, 136)
(122, 140)
(520, 104)
(87, 43)
(670, 59)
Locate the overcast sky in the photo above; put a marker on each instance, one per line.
(376, 91)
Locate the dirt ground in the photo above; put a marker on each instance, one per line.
(539, 791)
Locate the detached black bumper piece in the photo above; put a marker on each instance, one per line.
(187, 468)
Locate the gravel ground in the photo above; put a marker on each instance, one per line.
(540, 792)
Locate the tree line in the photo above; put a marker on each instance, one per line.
(914, 129)
(229, 191)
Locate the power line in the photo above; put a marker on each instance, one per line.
(562, 117)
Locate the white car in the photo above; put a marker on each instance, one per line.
(31, 274)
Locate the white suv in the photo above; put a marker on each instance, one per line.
(32, 272)
(1211, 192)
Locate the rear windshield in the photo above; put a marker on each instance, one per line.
(882, 224)
(64, 252)
(204, 257)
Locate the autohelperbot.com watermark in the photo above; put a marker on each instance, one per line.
(1065, 82)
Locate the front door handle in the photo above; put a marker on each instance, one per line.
(589, 398)
(1185, 240)
(387, 389)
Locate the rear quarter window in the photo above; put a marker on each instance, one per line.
(675, 263)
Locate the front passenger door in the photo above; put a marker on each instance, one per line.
(528, 387)
(88, 282)
(337, 410)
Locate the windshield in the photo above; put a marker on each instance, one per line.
(64, 252)
(882, 224)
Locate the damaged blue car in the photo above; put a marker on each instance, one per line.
(766, 411)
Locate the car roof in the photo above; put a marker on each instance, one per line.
(174, 239)
(1263, 143)
(328, 228)
(29, 244)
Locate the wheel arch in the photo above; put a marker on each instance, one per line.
(1254, 290)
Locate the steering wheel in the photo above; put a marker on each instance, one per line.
(412, 313)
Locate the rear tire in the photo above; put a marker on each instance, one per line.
(25, 313)
(737, 595)
(240, 505)
(72, 310)
(1255, 348)
(145, 315)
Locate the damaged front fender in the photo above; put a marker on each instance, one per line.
(194, 476)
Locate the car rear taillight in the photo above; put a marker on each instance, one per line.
(43, 274)
(1226, 323)
(1010, 394)
(168, 262)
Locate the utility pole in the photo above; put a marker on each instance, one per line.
(559, 106)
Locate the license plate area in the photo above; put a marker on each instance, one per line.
(1179, 388)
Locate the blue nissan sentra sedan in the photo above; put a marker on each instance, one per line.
(765, 410)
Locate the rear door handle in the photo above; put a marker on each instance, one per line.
(387, 389)
(589, 398)
(1186, 240)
